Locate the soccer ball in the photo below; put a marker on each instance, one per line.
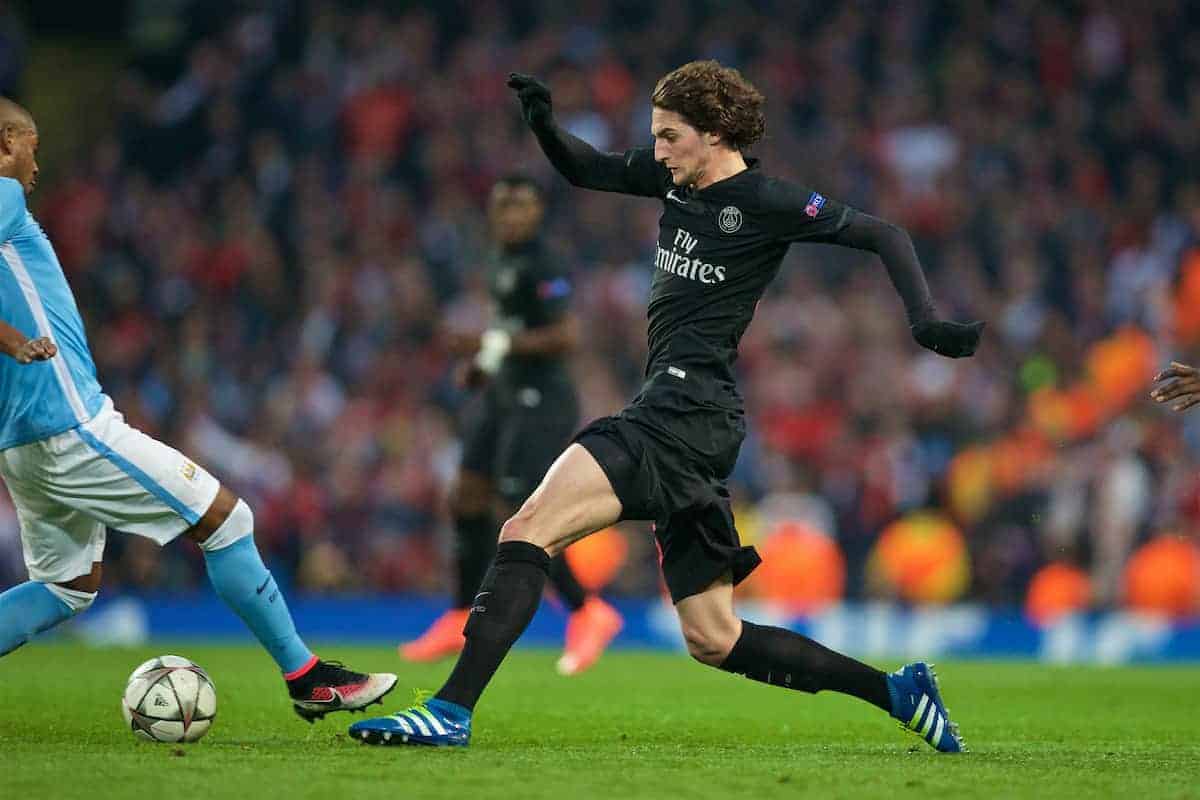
(169, 699)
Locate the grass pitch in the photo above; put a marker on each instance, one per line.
(639, 725)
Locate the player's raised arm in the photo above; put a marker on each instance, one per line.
(634, 172)
(801, 215)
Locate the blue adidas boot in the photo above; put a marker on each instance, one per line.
(917, 704)
(429, 722)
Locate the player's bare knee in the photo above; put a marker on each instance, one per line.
(525, 526)
(518, 528)
(708, 644)
(237, 525)
(215, 517)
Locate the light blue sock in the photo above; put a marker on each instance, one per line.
(244, 583)
(28, 609)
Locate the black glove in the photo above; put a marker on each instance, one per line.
(534, 96)
(950, 339)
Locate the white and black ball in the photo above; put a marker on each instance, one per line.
(169, 699)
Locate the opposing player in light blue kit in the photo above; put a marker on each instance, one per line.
(74, 467)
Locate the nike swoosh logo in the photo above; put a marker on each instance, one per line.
(672, 196)
(335, 699)
(259, 590)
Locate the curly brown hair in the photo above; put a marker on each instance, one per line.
(714, 99)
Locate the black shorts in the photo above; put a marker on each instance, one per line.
(656, 478)
(513, 433)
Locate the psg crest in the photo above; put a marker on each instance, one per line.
(730, 219)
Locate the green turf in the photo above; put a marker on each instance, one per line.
(638, 725)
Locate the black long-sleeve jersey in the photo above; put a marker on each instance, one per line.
(718, 248)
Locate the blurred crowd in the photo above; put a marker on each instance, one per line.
(286, 217)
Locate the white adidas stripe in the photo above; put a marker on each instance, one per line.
(929, 720)
(416, 720)
(937, 732)
(404, 723)
(916, 718)
(59, 364)
(431, 719)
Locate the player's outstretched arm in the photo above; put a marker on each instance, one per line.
(895, 249)
(1178, 385)
(576, 160)
(15, 344)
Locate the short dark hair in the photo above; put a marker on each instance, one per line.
(516, 180)
(714, 99)
(13, 113)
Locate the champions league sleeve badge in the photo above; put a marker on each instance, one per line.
(815, 201)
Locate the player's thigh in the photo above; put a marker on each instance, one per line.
(573, 500)
(709, 624)
(130, 481)
(59, 543)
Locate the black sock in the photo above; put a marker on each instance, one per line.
(566, 584)
(783, 658)
(474, 549)
(506, 602)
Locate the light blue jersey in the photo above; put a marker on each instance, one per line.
(44, 398)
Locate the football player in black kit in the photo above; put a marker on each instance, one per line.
(724, 230)
(523, 419)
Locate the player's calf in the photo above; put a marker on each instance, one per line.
(709, 626)
(242, 580)
(246, 585)
(33, 607)
(710, 642)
